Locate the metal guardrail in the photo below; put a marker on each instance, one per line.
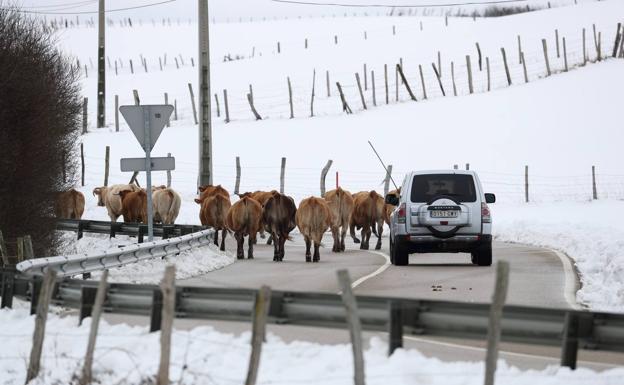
(124, 228)
(123, 255)
(570, 329)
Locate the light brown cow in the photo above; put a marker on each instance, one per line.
(109, 197)
(213, 213)
(210, 190)
(313, 220)
(368, 215)
(244, 219)
(340, 204)
(134, 206)
(70, 204)
(262, 197)
(166, 203)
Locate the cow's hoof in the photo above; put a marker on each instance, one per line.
(378, 247)
(250, 257)
(363, 247)
(316, 260)
(240, 257)
(308, 259)
(355, 240)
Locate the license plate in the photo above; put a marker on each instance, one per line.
(444, 214)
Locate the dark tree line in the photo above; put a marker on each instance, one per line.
(39, 128)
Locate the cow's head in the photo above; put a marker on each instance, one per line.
(243, 195)
(98, 192)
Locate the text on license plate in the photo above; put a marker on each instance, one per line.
(444, 214)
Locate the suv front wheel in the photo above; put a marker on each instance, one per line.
(398, 254)
(482, 255)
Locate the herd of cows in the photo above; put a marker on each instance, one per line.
(252, 214)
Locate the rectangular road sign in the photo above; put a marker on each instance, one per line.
(157, 164)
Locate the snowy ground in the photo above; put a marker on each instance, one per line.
(129, 355)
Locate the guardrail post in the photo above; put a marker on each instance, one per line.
(7, 289)
(87, 299)
(142, 232)
(35, 289)
(156, 315)
(569, 343)
(395, 327)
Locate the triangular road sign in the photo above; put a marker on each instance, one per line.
(158, 115)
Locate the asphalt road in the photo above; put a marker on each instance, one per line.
(538, 277)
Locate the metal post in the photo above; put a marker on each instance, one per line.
(148, 172)
(205, 125)
(569, 343)
(101, 89)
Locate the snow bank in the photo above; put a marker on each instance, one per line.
(588, 232)
(129, 355)
(191, 263)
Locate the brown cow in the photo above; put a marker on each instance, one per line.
(210, 190)
(70, 204)
(368, 212)
(278, 219)
(313, 220)
(134, 206)
(244, 218)
(166, 203)
(108, 196)
(262, 197)
(340, 204)
(213, 212)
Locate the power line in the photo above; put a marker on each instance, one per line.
(88, 12)
(400, 5)
(60, 6)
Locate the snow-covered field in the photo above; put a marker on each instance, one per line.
(129, 355)
(558, 126)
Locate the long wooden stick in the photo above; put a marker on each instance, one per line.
(260, 315)
(34, 363)
(87, 374)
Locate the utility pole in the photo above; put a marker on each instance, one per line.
(205, 124)
(101, 88)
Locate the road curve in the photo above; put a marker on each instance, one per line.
(537, 276)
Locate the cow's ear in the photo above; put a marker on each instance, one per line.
(198, 201)
(202, 188)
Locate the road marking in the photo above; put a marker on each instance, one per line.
(380, 270)
(523, 355)
(570, 287)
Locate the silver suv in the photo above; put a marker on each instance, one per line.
(439, 212)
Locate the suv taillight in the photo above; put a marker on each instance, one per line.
(401, 214)
(486, 217)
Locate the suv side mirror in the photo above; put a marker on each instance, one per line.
(392, 199)
(490, 198)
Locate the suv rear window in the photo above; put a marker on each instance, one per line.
(426, 187)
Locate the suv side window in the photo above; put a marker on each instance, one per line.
(459, 186)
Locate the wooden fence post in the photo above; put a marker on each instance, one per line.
(238, 176)
(87, 374)
(557, 42)
(3, 253)
(453, 78)
(313, 91)
(469, 68)
(596, 43)
(190, 86)
(506, 66)
(290, 99)
(357, 78)
(20, 249)
(422, 81)
(227, 109)
(439, 63)
(496, 313)
(387, 179)
(218, 108)
(584, 49)
(526, 75)
(396, 84)
(116, 113)
(131, 67)
(85, 115)
(437, 74)
(480, 57)
(355, 327)
(327, 81)
(545, 48)
(489, 78)
(519, 50)
(137, 101)
(106, 165)
(29, 252)
(565, 55)
(279, 48)
(253, 109)
(594, 191)
(365, 78)
(167, 102)
(404, 80)
(251, 92)
(345, 105)
(386, 81)
(324, 172)
(373, 88)
(168, 312)
(175, 109)
(40, 324)
(82, 165)
(526, 184)
(168, 172)
(160, 63)
(282, 174)
(617, 40)
(260, 315)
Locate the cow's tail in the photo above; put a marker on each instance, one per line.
(74, 214)
(373, 214)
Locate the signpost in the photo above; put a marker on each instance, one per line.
(147, 122)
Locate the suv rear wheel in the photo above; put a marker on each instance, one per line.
(398, 254)
(482, 255)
